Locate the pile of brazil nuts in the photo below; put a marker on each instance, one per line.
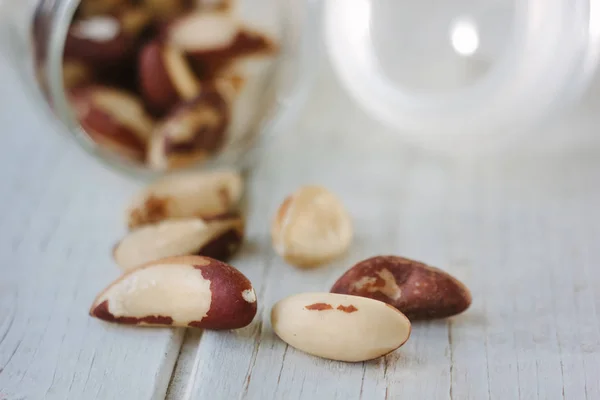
(165, 83)
(184, 228)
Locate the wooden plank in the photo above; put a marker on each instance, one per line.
(522, 233)
(509, 228)
(214, 353)
(522, 249)
(61, 215)
(275, 370)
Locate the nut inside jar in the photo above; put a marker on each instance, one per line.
(167, 85)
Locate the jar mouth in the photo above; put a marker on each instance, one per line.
(551, 55)
(288, 88)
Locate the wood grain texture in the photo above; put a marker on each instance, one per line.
(60, 216)
(521, 231)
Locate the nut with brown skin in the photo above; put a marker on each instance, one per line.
(218, 239)
(202, 194)
(311, 227)
(188, 291)
(165, 77)
(114, 119)
(214, 40)
(203, 33)
(194, 130)
(99, 40)
(107, 41)
(339, 327)
(421, 292)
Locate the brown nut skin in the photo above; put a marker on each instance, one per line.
(112, 118)
(207, 195)
(165, 77)
(219, 239)
(99, 41)
(187, 291)
(193, 131)
(209, 64)
(213, 40)
(419, 291)
(226, 245)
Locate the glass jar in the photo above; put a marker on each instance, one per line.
(458, 76)
(465, 76)
(252, 94)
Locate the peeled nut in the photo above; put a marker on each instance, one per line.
(217, 239)
(203, 32)
(99, 40)
(205, 195)
(194, 130)
(165, 77)
(339, 327)
(183, 291)
(418, 290)
(311, 227)
(114, 119)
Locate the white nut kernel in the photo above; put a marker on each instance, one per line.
(205, 195)
(184, 291)
(193, 130)
(249, 295)
(340, 327)
(203, 32)
(217, 239)
(311, 227)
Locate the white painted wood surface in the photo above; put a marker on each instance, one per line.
(522, 232)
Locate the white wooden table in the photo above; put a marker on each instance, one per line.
(522, 232)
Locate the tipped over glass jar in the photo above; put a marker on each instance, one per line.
(160, 85)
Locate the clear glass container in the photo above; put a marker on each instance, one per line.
(464, 76)
(457, 76)
(40, 36)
